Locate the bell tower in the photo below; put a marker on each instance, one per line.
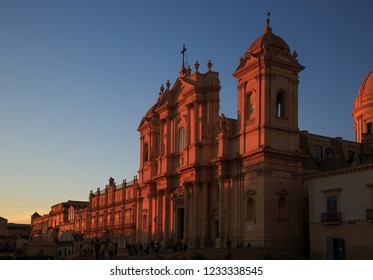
(268, 95)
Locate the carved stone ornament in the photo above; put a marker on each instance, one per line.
(250, 192)
(179, 192)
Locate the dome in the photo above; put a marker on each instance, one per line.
(366, 88)
(363, 112)
(365, 94)
(268, 40)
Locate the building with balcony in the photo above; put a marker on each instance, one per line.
(341, 221)
(341, 199)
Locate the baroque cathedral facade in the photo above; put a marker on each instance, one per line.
(207, 180)
(215, 181)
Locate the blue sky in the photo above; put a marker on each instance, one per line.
(76, 77)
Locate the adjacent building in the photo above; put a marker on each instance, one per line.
(12, 238)
(341, 199)
(58, 228)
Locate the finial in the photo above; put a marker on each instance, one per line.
(189, 71)
(209, 65)
(182, 72)
(168, 84)
(162, 89)
(268, 28)
(196, 66)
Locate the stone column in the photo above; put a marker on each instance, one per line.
(139, 219)
(186, 213)
(167, 218)
(221, 236)
(150, 217)
(121, 224)
(152, 213)
(195, 223)
(159, 228)
(133, 220)
(205, 216)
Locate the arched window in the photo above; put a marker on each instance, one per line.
(181, 138)
(250, 210)
(249, 105)
(280, 105)
(146, 152)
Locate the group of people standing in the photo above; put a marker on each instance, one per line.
(142, 249)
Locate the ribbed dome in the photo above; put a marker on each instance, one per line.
(268, 40)
(363, 112)
(366, 88)
(365, 94)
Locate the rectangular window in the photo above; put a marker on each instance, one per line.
(332, 203)
(117, 215)
(332, 214)
(318, 153)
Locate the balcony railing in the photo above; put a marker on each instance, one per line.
(369, 214)
(331, 217)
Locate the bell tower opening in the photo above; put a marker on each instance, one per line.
(280, 105)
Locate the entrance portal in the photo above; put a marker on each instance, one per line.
(180, 224)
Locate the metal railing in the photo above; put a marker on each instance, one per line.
(331, 217)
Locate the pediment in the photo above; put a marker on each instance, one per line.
(174, 95)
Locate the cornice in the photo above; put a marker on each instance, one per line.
(269, 151)
(341, 171)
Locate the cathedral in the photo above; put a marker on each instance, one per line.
(209, 181)
(214, 181)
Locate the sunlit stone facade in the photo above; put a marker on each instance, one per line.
(209, 181)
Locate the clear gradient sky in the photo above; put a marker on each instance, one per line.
(76, 77)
